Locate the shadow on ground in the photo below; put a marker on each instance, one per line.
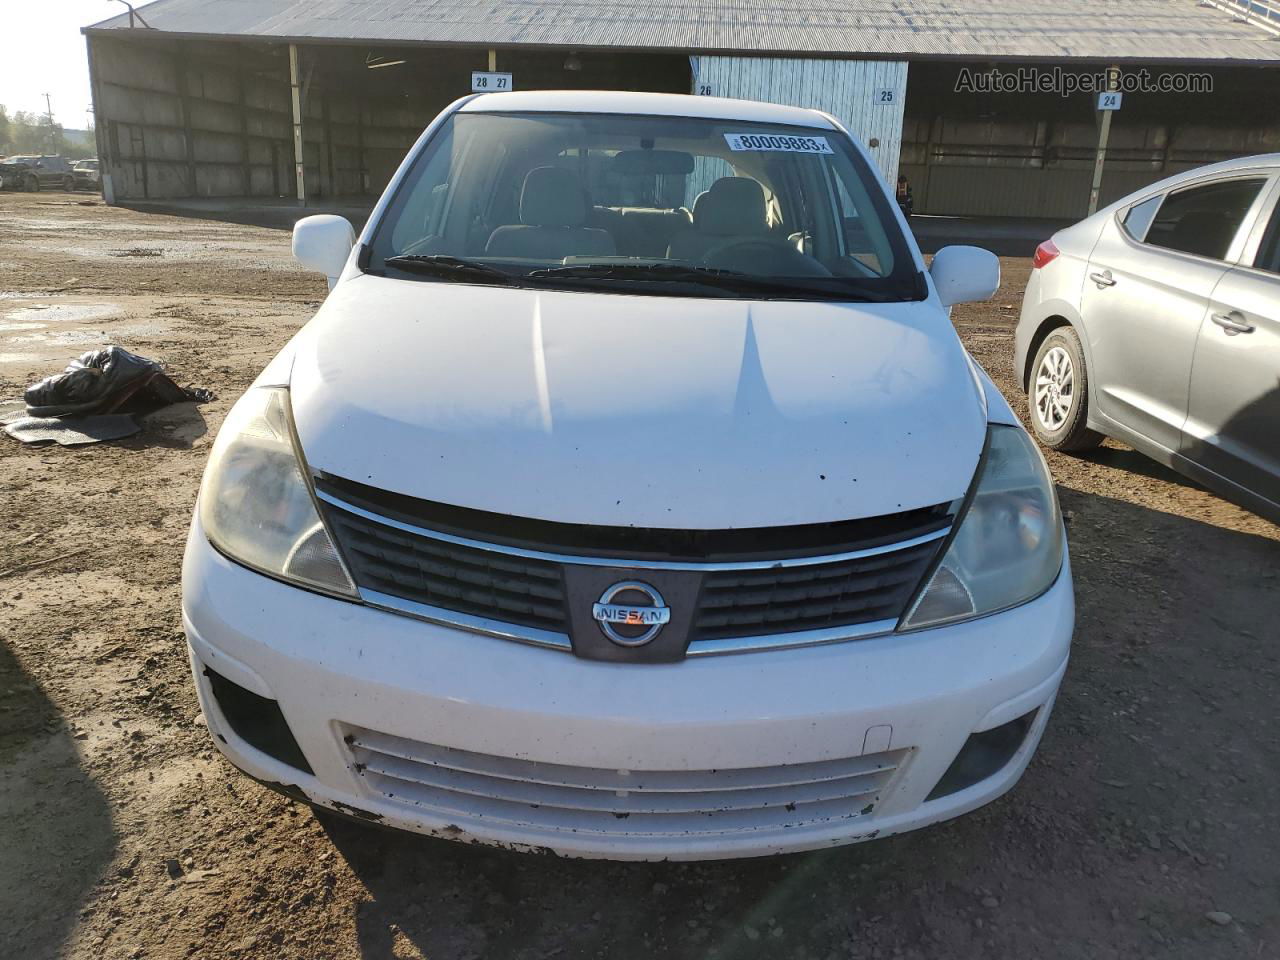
(56, 832)
(1148, 805)
(1131, 461)
(177, 426)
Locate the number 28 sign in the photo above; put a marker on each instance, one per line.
(482, 82)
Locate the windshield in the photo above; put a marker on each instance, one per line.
(645, 204)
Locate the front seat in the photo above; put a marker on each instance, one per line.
(733, 209)
(553, 217)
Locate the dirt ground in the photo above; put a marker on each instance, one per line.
(123, 834)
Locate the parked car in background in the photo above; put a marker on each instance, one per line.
(12, 175)
(35, 173)
(631, 495)
(87, 175)
(1157, 321)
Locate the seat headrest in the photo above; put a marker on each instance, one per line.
(1206, 232)
(552, 197)
(733, 206)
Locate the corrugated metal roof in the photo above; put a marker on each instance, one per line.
(1156, 30)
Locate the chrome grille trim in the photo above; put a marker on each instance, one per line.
(465, 621)
(571, 558)
(801, 638)
(560, 641)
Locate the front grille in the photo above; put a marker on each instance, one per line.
(483, 580)
(458, 784)
(481, 583)
(745, 603)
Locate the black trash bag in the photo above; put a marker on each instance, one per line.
(106, 381)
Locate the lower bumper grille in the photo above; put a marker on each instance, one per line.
(621, 804)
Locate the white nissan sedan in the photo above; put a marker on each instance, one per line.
(630, 496)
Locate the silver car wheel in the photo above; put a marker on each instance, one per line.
(1055, 389)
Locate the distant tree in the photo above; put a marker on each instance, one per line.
(49, 134)
(5, 133)
(35, 133)
(24, 132)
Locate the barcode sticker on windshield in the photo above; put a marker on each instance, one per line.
(777, 142)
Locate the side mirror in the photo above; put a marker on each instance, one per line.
(964, 274)
(323, 243)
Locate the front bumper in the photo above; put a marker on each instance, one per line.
(528, 724)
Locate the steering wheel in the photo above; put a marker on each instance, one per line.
(765, 256)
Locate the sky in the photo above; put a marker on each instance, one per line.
(42, 51)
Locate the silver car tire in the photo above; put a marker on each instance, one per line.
(1058, 394)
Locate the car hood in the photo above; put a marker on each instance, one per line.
(686, 413)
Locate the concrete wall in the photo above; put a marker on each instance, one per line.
(182, 118)
(849, 90)
(1032, 155)
(188, 119)
(173, 123)
(1037, 169)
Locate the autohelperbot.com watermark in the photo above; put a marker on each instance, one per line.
(1067, 82)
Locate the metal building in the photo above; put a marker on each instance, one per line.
(319, 99)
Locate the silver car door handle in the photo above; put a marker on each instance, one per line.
(1103, 279)
(1232, 323)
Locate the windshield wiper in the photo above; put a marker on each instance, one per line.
(729, 280)
(452, 267)
(636, 271)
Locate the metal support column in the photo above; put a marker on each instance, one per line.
(242, 118)
(180, 60)
(1104, 133)
(107, 157)
(493, 60)
(295, 89)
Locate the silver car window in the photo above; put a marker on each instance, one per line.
(1138, 218)
(1268, 257)
(1203, 220)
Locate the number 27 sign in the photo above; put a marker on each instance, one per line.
(482, 82)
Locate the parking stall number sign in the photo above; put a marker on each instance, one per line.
(482, 82)
(885, 96)
(1110, 100)
(777, 143)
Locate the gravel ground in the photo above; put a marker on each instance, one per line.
(1144, 827)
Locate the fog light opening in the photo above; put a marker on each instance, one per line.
(257, 721)
(983, 755)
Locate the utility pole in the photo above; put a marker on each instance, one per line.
(48, 106)
(1104, 133)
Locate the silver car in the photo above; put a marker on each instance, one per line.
(1157, 321)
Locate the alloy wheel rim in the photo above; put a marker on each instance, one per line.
(1054, 389)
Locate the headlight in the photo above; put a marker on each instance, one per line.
(1008, 545)
(255, 504)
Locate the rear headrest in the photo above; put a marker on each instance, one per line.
(1206, 232)
(552, 197)
(733, 206)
